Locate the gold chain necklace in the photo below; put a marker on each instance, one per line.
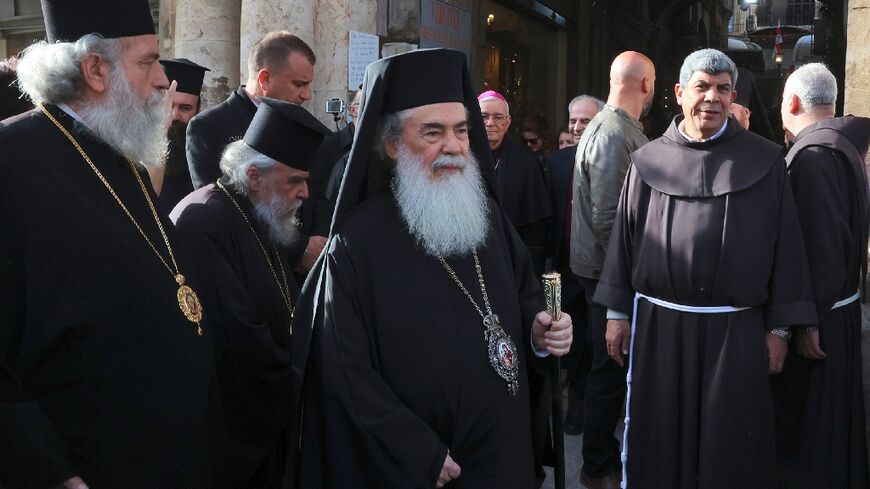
(502, 352)
(188, 302)
(285, 290)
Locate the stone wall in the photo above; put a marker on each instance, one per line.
(207, 32)
(219, 34)
(858, 59)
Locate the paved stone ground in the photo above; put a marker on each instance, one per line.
(574, 459)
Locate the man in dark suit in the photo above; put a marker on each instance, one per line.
(280, 66)
(579, 359)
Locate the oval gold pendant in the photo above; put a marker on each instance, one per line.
(190, 306)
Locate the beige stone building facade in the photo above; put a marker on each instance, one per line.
(858, 59)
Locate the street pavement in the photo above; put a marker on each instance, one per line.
(573, 464)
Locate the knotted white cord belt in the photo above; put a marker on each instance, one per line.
(675, 307)
(846, 301)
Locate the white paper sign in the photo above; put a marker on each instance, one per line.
(362, 50)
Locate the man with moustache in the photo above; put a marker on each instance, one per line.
(105, 361)
(601, 160)
(239, 227)
(522, 189)
(820, 399)
(561, 174)
(706, 256)
(581, 110)
(172, 180)
(424, 318)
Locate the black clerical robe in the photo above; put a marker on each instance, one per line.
(316, 211)
(176, 177)
(704, 224)
(401, 373)
(820, 418)
(208, 135)
(251, 328)
(101, 375)
(523, 194)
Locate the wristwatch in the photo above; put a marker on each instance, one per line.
(784, 333)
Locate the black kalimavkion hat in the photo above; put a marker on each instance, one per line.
(187, 73)
(399, 82)
(69, 20)
(285, 132)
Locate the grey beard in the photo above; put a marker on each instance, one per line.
(448, 216)
(278, 216)
(132, 127)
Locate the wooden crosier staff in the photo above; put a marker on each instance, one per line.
(552, 283)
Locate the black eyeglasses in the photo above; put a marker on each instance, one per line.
(531, 141)
(497, 118)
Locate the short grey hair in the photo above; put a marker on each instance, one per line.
(814, 85)
(507, 106)
(236, 160)
(599, 104)
(51, 73)
(710, 61)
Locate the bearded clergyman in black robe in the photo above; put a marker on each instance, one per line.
(241, 227)
(706, 254)
(105, 361)
(172, 180)
(428, 331)
(820, 398)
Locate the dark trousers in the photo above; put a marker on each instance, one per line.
(579, 360)
(605, 394)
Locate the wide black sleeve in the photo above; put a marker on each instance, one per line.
(33, 454)
(204, 148)
(404, 451)
(239, 330)
(821, 193)
(790, 300)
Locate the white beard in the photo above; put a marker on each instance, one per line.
(132, 127)
(448, 216)
(278, 216)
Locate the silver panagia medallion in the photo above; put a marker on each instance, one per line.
(503, 354)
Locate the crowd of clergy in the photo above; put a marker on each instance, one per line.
(239, 297)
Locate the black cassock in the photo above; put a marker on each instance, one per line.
(404, 374)
(705, 224)
(101, 375)
(176, 177)
(523, 194)
(251, 328)
(820, 418)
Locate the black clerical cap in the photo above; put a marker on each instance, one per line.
(399, 82)
(69, 20)
(285, 132)
(187, 73)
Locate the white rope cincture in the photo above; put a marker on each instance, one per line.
(667, 305)
(846, 301)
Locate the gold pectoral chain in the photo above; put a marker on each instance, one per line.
(188, 301)
(502, 352)
(285, 289)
